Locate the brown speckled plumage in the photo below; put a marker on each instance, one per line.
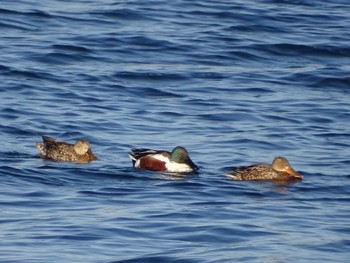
(61, 151)
(279, 170)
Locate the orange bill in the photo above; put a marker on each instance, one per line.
(293, 173)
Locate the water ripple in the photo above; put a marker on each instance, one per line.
(235, 83)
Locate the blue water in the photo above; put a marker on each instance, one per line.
(235, 82)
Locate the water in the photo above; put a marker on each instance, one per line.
(236, 82)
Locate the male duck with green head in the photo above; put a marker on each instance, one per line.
(177, 161)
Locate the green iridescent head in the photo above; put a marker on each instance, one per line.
(179, 154)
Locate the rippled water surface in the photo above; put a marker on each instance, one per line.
(235, 82)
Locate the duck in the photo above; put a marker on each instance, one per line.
(55, 150)
(279, 170)
(176, 161)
